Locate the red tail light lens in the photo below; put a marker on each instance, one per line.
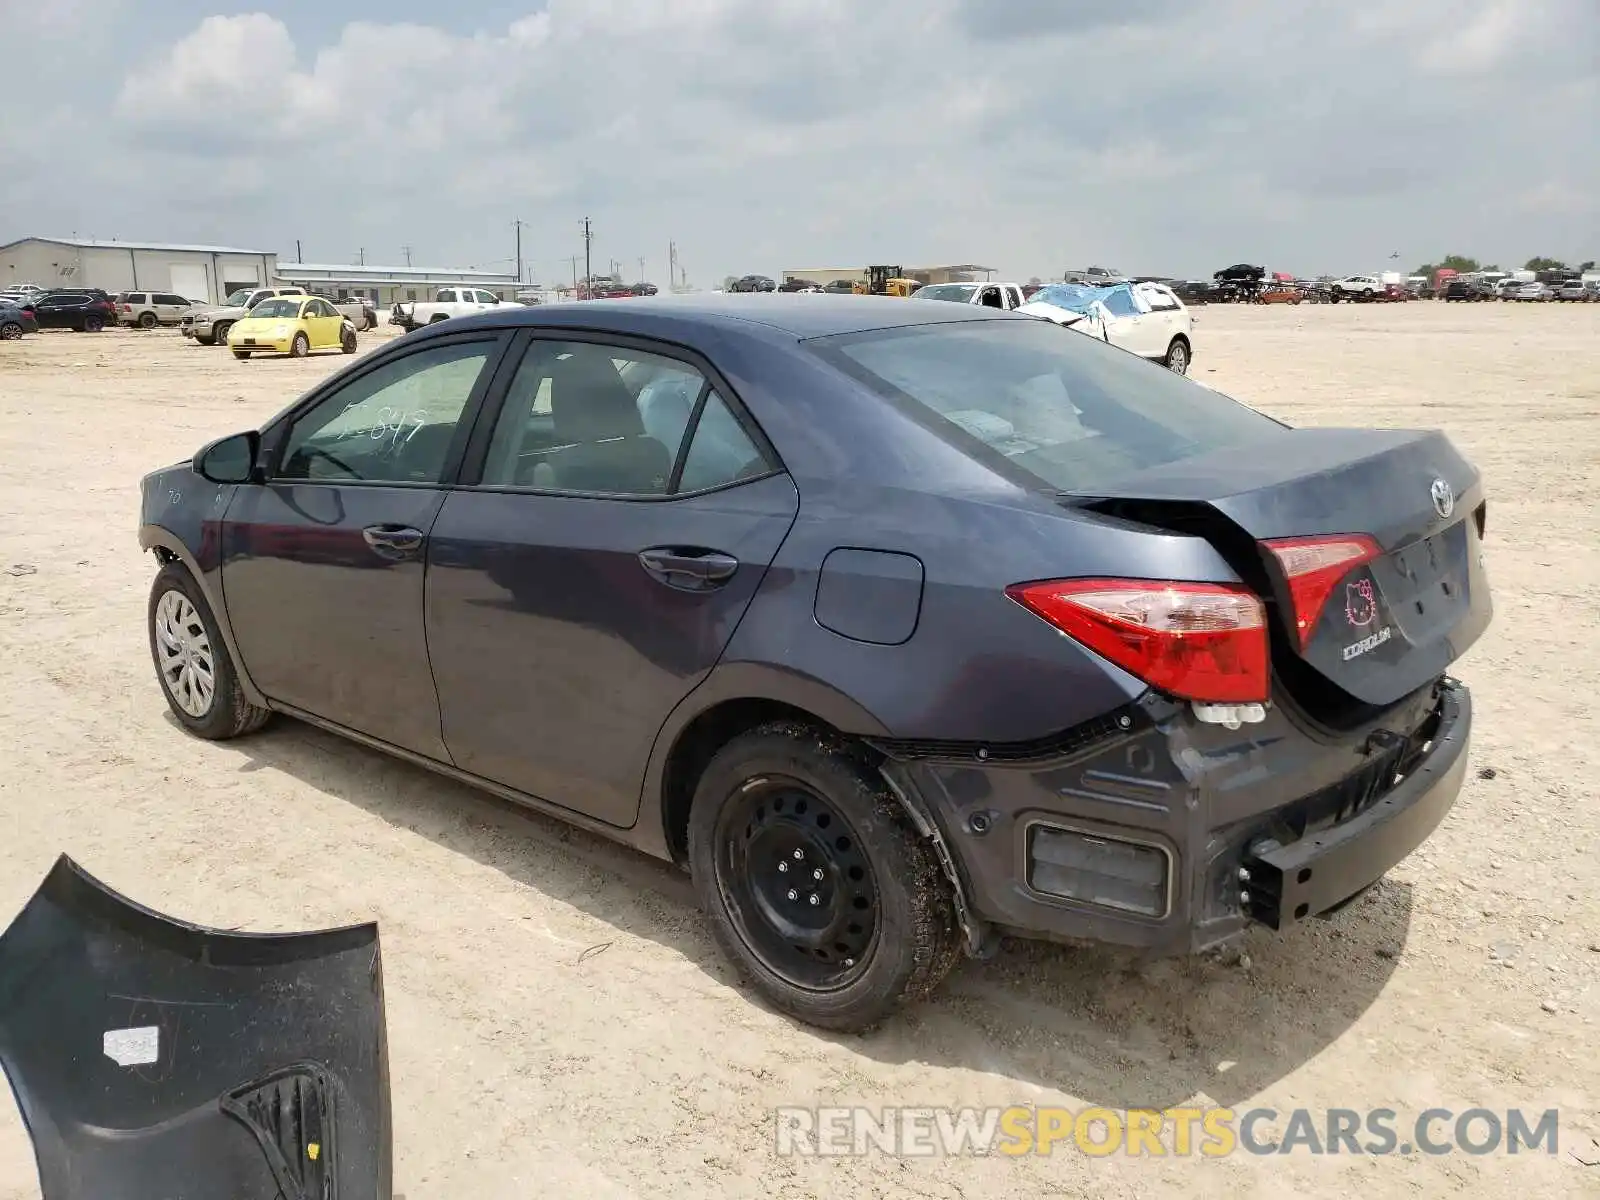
(1197, 641)
(1313, 567)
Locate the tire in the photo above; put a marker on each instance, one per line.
(241, 354)
(787, 796)
(436, 318)
(347, 340)
(11, 331)
(205, 341)
(184, 638)
(219, 332)
(93, 324)
(1178, 357)
(300, 347)
(147, 320)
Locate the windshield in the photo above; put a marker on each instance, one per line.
(237, 299)
(1072, 296)
(283, 307)
(1044, 405)
(959, 292)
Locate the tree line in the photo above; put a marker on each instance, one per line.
(1463, 265)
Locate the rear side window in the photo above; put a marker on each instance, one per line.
(1046, 406)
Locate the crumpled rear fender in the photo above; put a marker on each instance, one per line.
(156, 1060)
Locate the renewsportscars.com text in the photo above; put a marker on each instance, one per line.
(1180, 1132)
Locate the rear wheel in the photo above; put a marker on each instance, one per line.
(93, 324)
(147, 320)
(300, 347)
(11, 331)
(816, 885)
(197, 675)
(1177, 359)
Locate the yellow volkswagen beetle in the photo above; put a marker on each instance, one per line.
(293, 325)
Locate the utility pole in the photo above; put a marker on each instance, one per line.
(406, 250)
(518, 224)
(297, 257)
(588, 270)
(574, 261)
(641, 270)
(361, 256)
(672, 266)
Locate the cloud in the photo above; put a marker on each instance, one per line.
(1032, 135)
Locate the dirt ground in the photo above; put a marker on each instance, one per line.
(559, 1020)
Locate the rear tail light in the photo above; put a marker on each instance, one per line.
(1196, 641)
(1313, 567)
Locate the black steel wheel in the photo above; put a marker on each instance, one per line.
(817, 885)
(800, 890)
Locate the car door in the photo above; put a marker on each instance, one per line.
(170, 308)
(326, 321)
(623, 515)
(323, 563)
(1124, 325)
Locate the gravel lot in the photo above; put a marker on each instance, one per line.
(560, 1023)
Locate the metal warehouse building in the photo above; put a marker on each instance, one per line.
(205, 273)
(388, 285)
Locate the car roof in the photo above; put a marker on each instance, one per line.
(785, 313)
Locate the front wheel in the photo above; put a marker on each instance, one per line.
(817, 886)
(220, 332)
(241, 354)
(300, 347)
(192, 662)
(1177, 359)
(347, 340)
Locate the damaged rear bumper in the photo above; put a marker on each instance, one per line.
(155, 1059)
(1151, 831)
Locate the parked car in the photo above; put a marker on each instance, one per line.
(1279, 293)
(16, 320)
(292, 325)
(1534, 291)
(799, 285)
(753, 283)
(1005, 296)
(1461, 289)
(447, 303)
(1146, 319)
(1572, 289)
(1082, 649)
(149, 309)
(1356, 287)
(841, 287)
(209, 325)
(86, 310)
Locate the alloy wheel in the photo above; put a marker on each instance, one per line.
(797, 885)
(188, 669)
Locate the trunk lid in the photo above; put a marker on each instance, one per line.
(1389, 624)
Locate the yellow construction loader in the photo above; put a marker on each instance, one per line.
(886, 281)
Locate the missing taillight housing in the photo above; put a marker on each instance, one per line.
(1196, 641)
(1313, 567)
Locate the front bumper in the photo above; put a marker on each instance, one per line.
(1154, 832)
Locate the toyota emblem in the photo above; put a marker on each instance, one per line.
(1444, 499)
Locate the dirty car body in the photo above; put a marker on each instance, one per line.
(988, 627)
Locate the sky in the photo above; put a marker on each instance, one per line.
(1170, 137)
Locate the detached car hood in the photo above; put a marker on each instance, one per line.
(156, 1060)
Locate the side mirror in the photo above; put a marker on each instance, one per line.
(230, 459)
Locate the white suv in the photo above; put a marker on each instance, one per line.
(1147, 319)
(149, 309)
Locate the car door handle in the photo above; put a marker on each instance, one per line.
(393, 541)
(689, 568)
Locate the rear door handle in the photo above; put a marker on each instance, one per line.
(393, 541)
(689, 568)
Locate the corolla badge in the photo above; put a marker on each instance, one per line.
(1444, 497)
(1360, 605)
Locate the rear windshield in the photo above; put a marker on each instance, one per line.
(1047, 406)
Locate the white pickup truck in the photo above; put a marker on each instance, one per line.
(447, 302)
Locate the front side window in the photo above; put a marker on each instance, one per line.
(1060, 413)
(284, 308)
(394, 424)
